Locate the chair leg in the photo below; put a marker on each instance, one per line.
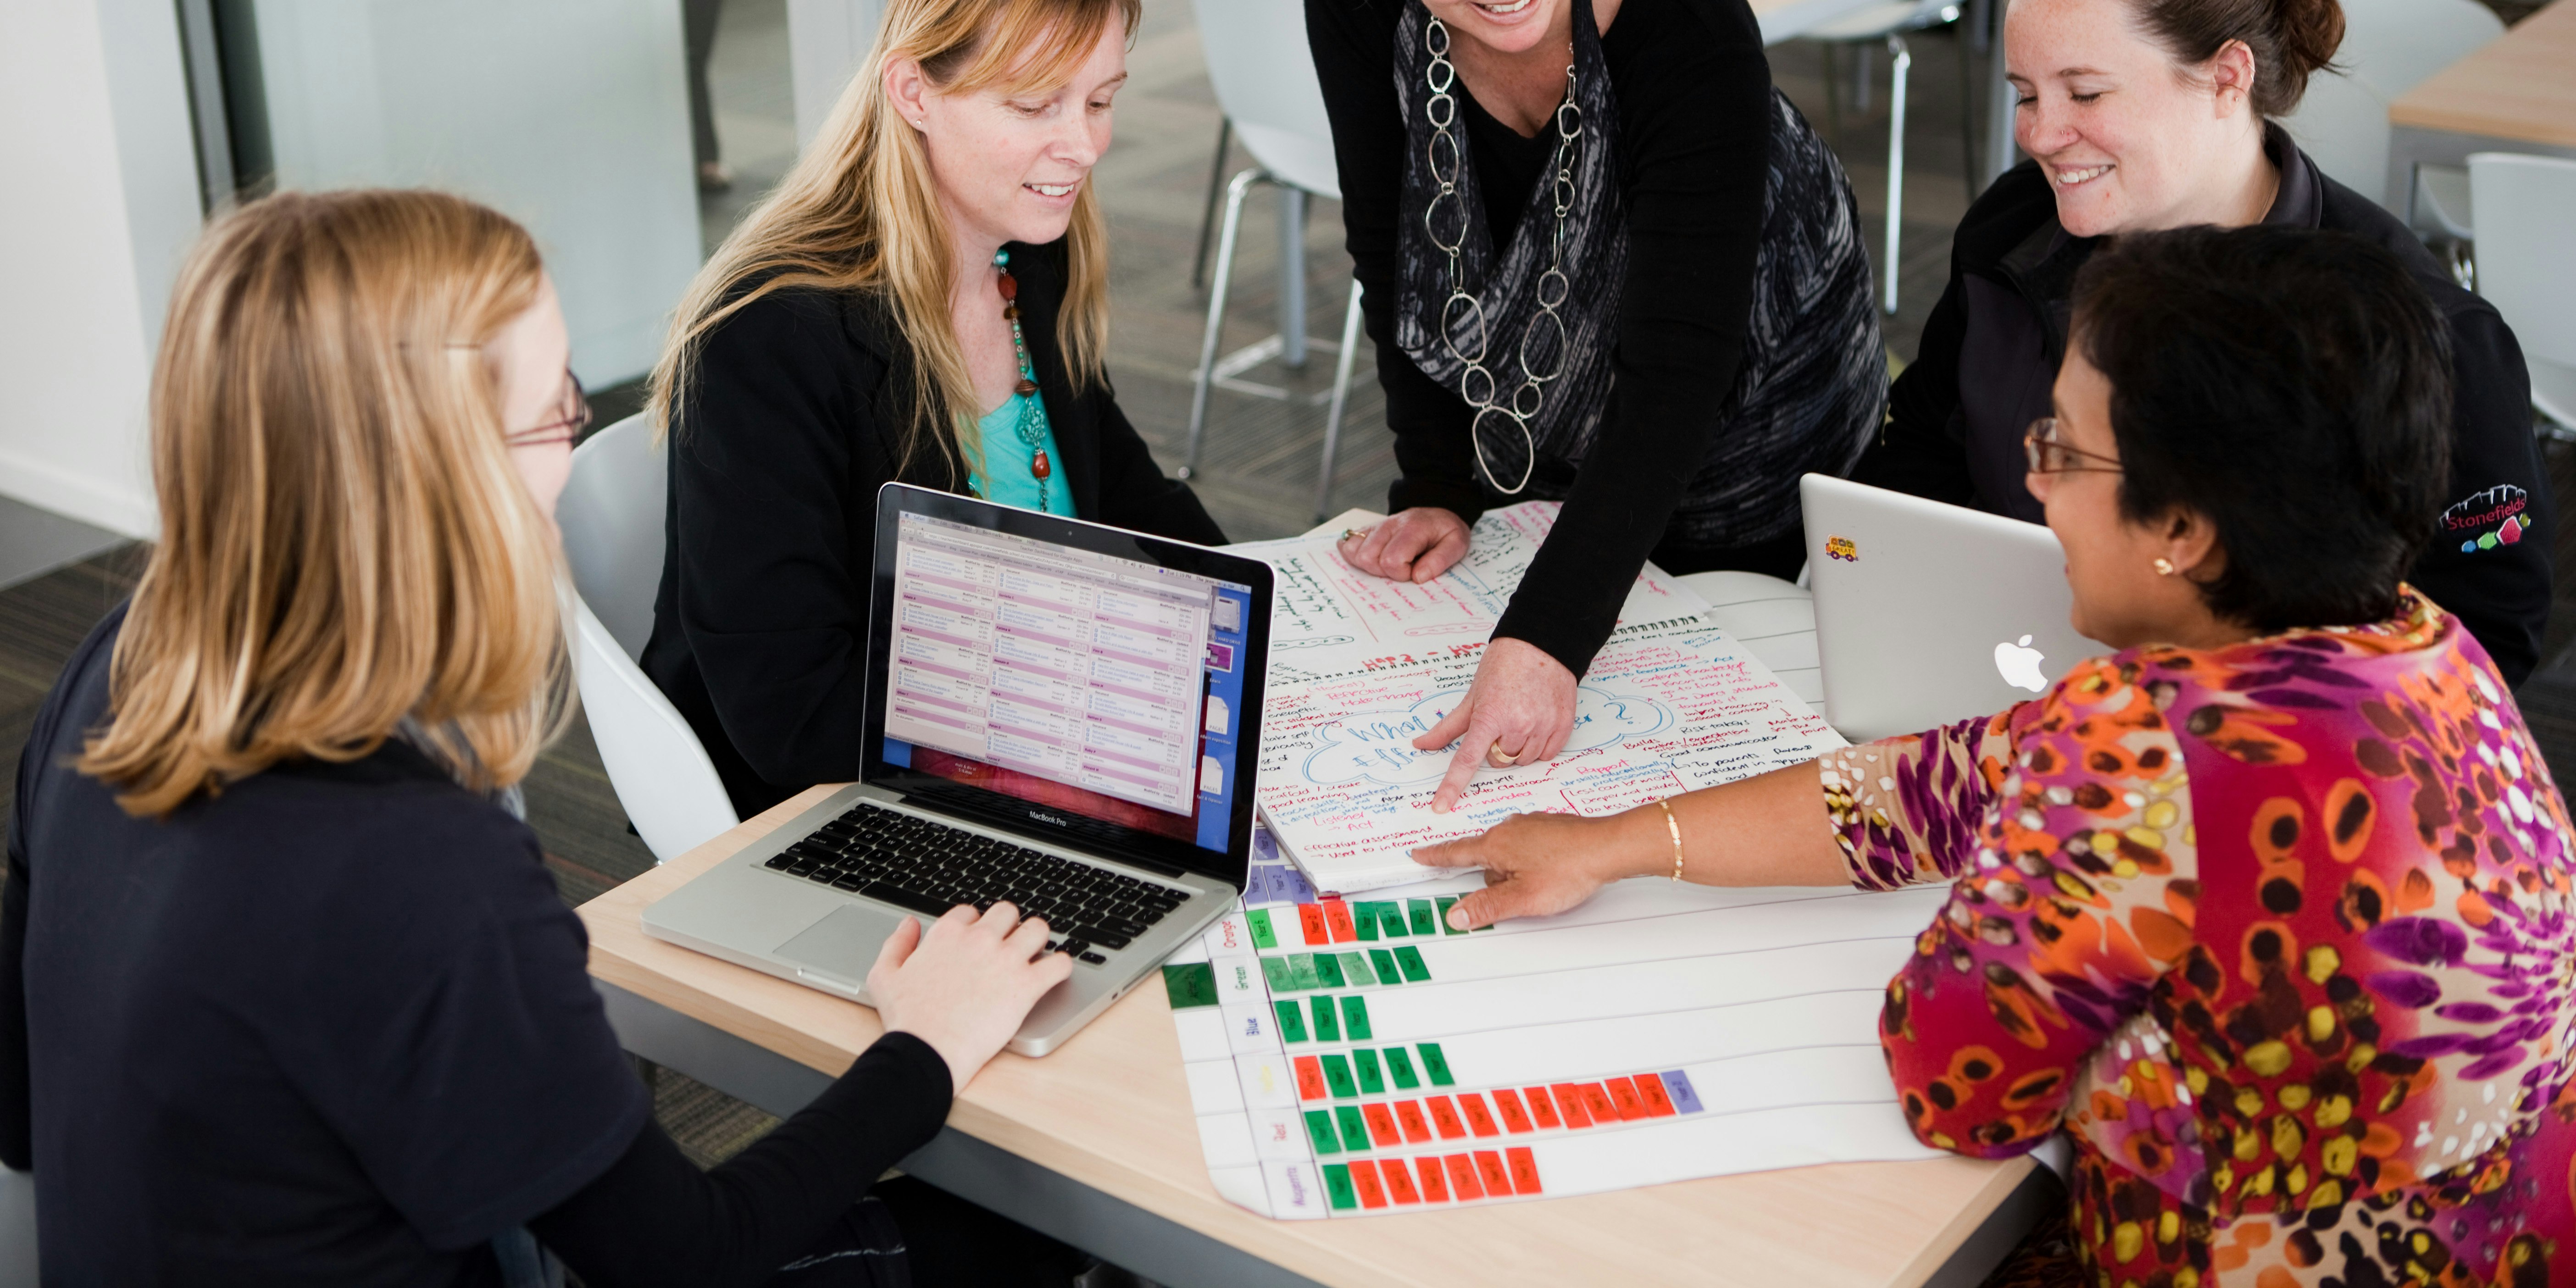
(1341, 398)
(1292, 277)
(1234, 195)
(1216, 186)
(1900, 59)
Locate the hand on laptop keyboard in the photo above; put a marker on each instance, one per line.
(965, 984)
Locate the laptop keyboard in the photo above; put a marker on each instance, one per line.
(911, 862)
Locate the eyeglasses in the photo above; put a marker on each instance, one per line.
(2047, 453)
(565, 428)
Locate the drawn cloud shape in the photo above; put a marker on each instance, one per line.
(1377, 747)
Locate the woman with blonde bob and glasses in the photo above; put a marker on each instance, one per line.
(286, 993)
(923, 300)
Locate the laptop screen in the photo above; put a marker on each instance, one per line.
(1089, 684)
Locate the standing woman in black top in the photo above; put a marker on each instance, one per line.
(1605, 262)
(860, 328)
(287, 996)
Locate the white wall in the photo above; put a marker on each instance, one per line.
(102, 203)
(826, 39)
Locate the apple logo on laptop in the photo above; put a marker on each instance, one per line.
(2019, 665)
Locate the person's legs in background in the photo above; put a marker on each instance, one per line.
(700, 18)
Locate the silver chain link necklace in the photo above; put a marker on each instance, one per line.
(1552, 289)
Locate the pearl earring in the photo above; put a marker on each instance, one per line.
(2164, 566)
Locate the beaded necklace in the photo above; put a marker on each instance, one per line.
(1032, 425)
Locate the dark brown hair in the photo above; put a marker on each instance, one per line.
(2291, 39)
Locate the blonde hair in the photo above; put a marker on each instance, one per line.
(344, 541)
(858, 212)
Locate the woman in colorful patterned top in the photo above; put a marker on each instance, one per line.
(2270, 910)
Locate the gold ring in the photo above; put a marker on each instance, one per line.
(1502, 757)
(1354, 534)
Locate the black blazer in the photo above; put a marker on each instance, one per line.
(760, 626)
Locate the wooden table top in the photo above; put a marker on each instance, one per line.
(1110, 1109)
(2521, 87)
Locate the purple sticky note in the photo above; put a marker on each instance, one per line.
(1684, 1099)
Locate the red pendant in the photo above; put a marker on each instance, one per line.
(1010, 287)
(1038, 467)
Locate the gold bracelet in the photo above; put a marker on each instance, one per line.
(1674, 826)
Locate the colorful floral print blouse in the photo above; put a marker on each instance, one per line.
(2280, 933)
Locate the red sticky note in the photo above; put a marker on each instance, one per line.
(1490, 1169)
(1408, 1114)
(1569, 1101)
(1311, 918)
(1524, 1170)
(1507, 1102)
(1399, 1182)
(1381, 1126)
(1434, 1187)
(1623, 1093)
(1364, 1175)
(1445, 1117)
(1542, 1109)
(1310, 1079)
(1651, 1093)
(1462, 1177)
(1479, 1119)
(1598, 1103)
(1337, 918)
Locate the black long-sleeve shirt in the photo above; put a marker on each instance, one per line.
(1693, 144)
(760, 627)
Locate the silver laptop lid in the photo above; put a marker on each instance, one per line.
(1929, 613)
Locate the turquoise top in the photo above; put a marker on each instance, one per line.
(1007, 458)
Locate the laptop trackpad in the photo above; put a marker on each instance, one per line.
(844, 943)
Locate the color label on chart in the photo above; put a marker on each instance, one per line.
(1435, 1187)
(1651, 1094)
(1524, 1169)
(1569, 1101)
(1319, 1129)
(1399, 1182)
(1417, 1129)
(1384, 962)
(1462, 1177)
(1543, 1110)
(1337, 1188)
(1262, 935)
(1355, 970)
(1598, 1103)
(1355, 1133)
(1444, 1116)
(1364, 1063)
(1337, 920)
(1310, 919)
(1390, 920)
(1409, 960)
(1302, 969)
(1399, 1066)
(1490, 1170)
(1507, 1103)
(1337, 1075)
(1426, 921)
(1190, 985)
(1381, 1126)
(1292, 1025)
(1310, 1079)
(1355, 1019)
(1434, 1065)
(1281, 974)
(1685, 1097)
(1623, 1094)
(1480, 1120)
(1372, 1194)
(1327, 1028)
(1364, 921)
(1446, 903)
(1328, 971)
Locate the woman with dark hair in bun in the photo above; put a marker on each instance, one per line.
(2272, 911)
(2148, 114)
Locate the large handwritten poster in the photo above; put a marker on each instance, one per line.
(1361, 666)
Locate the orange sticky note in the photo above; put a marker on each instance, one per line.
(1433, 1187)
(1381, 1126)
(1445, 1117)
(1597, 1103)
(1364, 1175)
(1480, 1120)
(1462, 1177)
(1310, 1079)
(1650, 1092)
(1337, 919)
(1311, 919)
(1623, 1093)
(1524, 1169)
(1569, 1101)
(1408, 1115)
(1542, 1110)
(1507, 1102)
(1399, 1182)
(1490, 1169)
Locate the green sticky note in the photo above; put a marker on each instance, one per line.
(1319, 1129)
(1447, 902)
(1355, 969)
(1410, 958)
(1337, 1187)
(1328, 971)
(1301, 968)
(1191, 985)
(1435, 1066)
(1385, 963)
(1355, 1018)
(1426, 919)
(1355, 1137)
(1292, 1023)
(1364, 1063)
(1400, 1067)
(1337, 1076)
(1390, 919)
(1364, 920)
(1327, 1029)
(1262, 935)
(1282, 976)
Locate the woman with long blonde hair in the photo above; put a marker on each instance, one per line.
(924, 299)
(286, 993)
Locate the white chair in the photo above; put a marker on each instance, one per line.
(2527, 267)
(2389, 47)
(611, 516)
(1891, 22)
(1265, 81)
(17, 1230)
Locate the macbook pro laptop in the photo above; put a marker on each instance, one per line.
(1927, 613)
(1061, 715)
